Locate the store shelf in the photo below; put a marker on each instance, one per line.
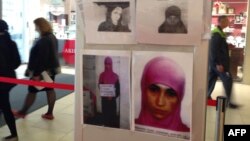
(223, 14)
(239, 23)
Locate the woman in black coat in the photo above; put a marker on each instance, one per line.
(9, 61)
(43, 58)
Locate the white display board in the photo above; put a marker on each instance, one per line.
(190, 52)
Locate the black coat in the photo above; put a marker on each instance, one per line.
(218, 52)
(9, 60)
(44, 56)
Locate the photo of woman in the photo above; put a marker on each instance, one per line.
(162, 86)
(162, 91)
(114, 20)
(168, 22)
(109, 21)
(173, 22)
(106, 91)
(109, 106)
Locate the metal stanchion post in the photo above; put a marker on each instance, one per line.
(220, 119)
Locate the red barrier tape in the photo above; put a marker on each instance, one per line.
(37, 83)
(211, 102)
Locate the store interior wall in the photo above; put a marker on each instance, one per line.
(30, 13)
(22, 28)
(1, 9)
(246, 77)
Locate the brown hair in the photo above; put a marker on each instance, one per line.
(43, 25)
(222, 17)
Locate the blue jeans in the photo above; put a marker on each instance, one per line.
(226, 79)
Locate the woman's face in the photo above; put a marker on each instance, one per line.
(116, 15)
(161, 100)
(108, 66)
(37, 29)
(173, 20)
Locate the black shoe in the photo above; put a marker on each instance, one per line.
(10, 138)
(233, 106)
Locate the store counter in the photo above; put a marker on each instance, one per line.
(236, 60)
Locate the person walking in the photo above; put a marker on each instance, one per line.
(9, 61)
(219, 61)
(43, 58)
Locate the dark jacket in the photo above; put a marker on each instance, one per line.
(44, 56)
(218, 50)
(9, 59)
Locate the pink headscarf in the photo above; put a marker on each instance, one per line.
(165, 71)
(108, 76)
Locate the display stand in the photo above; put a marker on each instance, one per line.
(197, 49)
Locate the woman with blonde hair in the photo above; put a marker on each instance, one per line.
(43, 57)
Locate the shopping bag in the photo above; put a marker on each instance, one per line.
(44, 78)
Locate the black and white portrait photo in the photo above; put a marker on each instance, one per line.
(109, 21)
(114, 22)
(173, 21)
(168, 22)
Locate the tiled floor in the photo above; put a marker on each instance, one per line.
(34, 128)
(241, 96)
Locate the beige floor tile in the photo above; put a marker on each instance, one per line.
(246, 119)
(69, 99)
(211, 116)
(4, 131)
(61, 107)
(209, 139)
(61, 123)
(68, 137)
(210, 129)
(42, 135)
(67, 110)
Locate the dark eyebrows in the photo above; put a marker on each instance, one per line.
(154, 87)
(171, 92)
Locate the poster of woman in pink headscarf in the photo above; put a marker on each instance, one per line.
(106, 90)
(162, 89)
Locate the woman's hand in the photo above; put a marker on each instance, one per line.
(220, 68)
(36, 78)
